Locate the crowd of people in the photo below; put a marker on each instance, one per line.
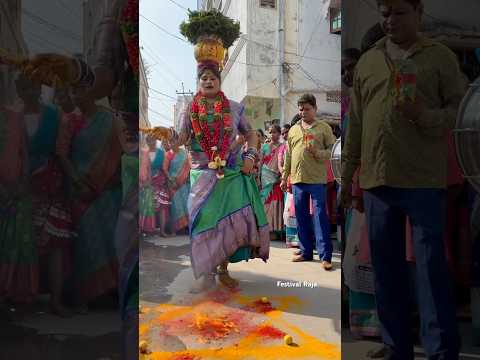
(69, 177)
(293, 186)
(164, 187)
(63, 193)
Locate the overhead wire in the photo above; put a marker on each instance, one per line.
(161, 93)
(317, 22)
(42, 40)
(166, 80)
(52, 26)
(68, 10)
(180, 6)
(170, 121)
(158, 58)
(163, 29)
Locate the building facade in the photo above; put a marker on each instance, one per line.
(143, 93)
(311, 56)
(182, 102)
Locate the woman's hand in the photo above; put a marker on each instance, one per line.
(159, 133)
(247, 166)
(346, 197)
(52, 69)
(357, 203)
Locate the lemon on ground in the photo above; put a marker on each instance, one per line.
(143, 347)
(288, 339)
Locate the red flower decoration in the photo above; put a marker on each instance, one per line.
(129, 26)
(212, 144)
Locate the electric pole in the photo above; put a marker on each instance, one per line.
(180, 103)
(183, 93)
(281, 57)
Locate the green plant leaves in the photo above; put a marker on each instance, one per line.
(210, 22)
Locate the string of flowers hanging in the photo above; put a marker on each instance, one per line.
(215, 144)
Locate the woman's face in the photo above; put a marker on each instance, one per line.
(274, 134)
(166, 146)
(209, 84)
(261, 138)
(285, 134)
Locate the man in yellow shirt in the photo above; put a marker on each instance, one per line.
(309, 144)
(406, 92)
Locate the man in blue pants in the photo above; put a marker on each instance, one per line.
(309, 145)
(398, 136)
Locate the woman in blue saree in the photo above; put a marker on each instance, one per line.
(91, 151)
(51, 218)
(161, 192)
(178, 163)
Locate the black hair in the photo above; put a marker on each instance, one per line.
(287, 126)
(307, 99)
(351, 53)
(277, 128)
(213, 69)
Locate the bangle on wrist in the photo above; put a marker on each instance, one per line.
(79, 70)
(86, 76)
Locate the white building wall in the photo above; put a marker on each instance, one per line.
(235, 72)
(143, 94)
(262, 50)
(318, 71)
(254, 70)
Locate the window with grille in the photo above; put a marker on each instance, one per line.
(268, 3)
(334, 96)
(335, 21)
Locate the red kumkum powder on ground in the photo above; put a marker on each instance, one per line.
(260, 307)
(185, 357)
(222, 296)
(269, 332)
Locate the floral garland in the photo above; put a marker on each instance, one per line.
(129, 25)
(215, 147)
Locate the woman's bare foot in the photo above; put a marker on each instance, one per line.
(203, 284)
(226, 280)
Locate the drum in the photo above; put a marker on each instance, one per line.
(467, 135)
(336, 160)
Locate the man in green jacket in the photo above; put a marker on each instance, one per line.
(406, 92)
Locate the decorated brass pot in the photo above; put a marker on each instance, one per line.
(209, 49)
